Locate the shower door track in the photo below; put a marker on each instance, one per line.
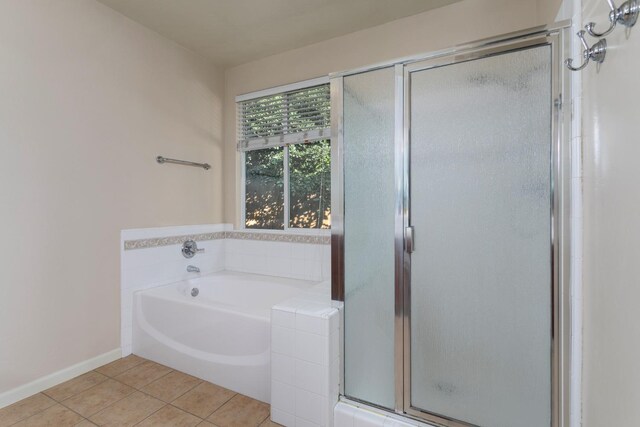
(553, 36)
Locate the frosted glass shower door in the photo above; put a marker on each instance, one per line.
(369, 220)
(480, 205)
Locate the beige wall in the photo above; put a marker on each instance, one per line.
(611, 146)
(436, 29)
(88, 99)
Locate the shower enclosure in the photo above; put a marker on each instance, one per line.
(450, 235)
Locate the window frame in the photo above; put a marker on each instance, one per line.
(286, 189)
(286, 179)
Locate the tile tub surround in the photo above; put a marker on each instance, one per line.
(302, 258)
(156, 265)
(158, 396)
(305, 361)
(151, 257)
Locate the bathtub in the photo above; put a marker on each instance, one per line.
(222, 335)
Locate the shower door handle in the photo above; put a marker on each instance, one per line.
(408, 239)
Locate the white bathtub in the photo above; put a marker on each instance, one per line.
(222, 335)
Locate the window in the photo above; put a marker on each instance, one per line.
(287, 159)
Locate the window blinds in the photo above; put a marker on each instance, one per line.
(285, 118)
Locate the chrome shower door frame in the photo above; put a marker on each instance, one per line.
(558, 194)
(554, 36)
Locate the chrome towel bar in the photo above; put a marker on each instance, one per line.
(205, 166)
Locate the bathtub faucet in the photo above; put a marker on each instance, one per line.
(193, 269)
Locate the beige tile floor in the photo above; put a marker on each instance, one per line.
(136, 392)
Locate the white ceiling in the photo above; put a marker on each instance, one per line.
(232, 32)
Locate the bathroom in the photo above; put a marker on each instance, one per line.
(177, 254)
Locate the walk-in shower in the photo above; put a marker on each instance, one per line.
(449, 233)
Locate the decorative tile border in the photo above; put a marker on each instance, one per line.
(171, 240)
(241, 235)
(279, 237)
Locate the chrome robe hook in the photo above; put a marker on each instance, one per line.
(595, 53)
(627, 15)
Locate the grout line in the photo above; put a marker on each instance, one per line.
(144, 360)
(35, 413)
(224, 404)
(75, 394)
(215, 410)
(187, 412)
(190, 413)
(39, 412)
(83, 391)
(165, 403)
(220, 407)
(140, 389)
(100, 410)
(80, 415)
(126, 370)
(108, 406)
(152, 413)
(201, 381)
(265, 418)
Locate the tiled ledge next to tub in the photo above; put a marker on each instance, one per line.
(151, 257)
(305, 359)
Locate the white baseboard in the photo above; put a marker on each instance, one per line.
(41, 384)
